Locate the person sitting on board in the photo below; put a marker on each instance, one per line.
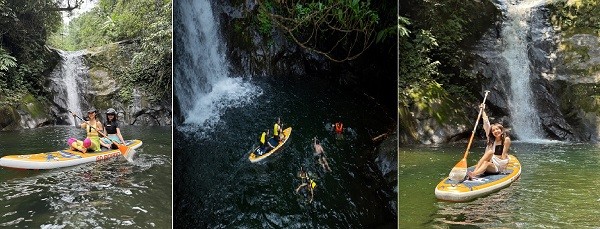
(308, 184)
(77, 145)
(277, 132)
(495, 158)
(92, 127)
(112, 131)
(264, 143)
(320, 154)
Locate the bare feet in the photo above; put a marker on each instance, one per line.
(470, 175)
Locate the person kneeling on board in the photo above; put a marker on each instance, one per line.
(495, 158)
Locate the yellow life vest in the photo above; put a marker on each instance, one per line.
(91, 132)
(263, 137)
(276, 128)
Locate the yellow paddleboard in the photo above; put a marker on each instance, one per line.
(254, 156)
(61, 158)
(481, 186)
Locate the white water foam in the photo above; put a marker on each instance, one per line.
(67, 78)
(204, 86)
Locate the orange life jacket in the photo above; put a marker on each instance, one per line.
(339, 127)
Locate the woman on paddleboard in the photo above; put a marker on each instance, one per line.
(92, 126)
(112, 131)
(495, 158)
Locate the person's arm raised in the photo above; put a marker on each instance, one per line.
(486, 121)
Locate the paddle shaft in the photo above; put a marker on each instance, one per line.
(476, 124)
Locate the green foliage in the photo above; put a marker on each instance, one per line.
(6, 62)
(417, 67)
(440, 50)
(574, 17)
(265, 25)
(434, 100)
(399, 29)
(146, 23)
(340, 30)
(24, 57)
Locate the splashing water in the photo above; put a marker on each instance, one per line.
(203, 85)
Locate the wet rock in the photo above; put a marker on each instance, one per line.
(491, 66)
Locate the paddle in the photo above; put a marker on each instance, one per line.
(125, 150)
(459, 171)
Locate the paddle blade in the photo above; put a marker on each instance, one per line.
(127, 152)
(459, 171)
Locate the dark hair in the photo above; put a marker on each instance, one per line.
(95, 115)
(114, 117)
(317, 141)
(492, 138)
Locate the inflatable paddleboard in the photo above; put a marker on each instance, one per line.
(480, 186)
(255, 157)
(61, 158)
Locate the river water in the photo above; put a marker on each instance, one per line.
(216, 186)
(559, 188)
(108, 194)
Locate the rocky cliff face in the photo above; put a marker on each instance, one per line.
(577, 74)
(104, 90)
(99, 88)
(27, 113)
(565, 70)
(494, 69)
(252, 53)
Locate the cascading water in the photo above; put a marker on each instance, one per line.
(525, 121)
(203, 85)
(66, 80)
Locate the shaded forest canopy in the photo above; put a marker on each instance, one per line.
(357, 39)
(435, 46)
(24, 56)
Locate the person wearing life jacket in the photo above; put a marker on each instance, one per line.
(308, 184)
(264, 143)
(277, 131)
(339, 127)
(112, 131)
(92, 127)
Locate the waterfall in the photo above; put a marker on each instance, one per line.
(525, 119)
(203, 83)
(66, 80)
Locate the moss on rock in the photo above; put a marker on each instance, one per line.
(35, 108)
(9, 118)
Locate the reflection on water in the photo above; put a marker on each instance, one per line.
(106, 194)
(559, 187)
